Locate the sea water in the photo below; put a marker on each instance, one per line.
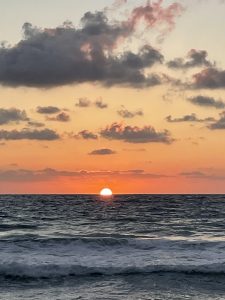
(124, 247)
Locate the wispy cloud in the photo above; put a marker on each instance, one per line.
(202, 175)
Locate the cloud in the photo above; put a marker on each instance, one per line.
(202, 175)
(195, 140)
(147, 57)
(193, 174)
(135, 150)
(83, 102)
(210, 78)
(52, 110)
(103, 151)
(195, 58)
(218, 124)
(27, 175)
(100, 104)
(47, 174)
(117, 3)
(26, 134)
(129, 134)
(188, 118)
(124, 113)
(155, 15)
(67, 55)
(12, 115)
(207, 102)
(86, 135)
(61, 117)
(35, 124)
(136, 171)
(47, 109)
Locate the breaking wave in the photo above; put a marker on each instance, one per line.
(80, 256)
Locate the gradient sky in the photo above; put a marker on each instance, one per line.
(124, 94)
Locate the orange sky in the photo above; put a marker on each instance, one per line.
(127, 98)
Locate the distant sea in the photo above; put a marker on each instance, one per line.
(126, 247)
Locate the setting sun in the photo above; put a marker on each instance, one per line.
(106, 192)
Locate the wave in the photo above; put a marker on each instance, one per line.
(16, 270)
(6, 227)
(56, 257)
(115, 240)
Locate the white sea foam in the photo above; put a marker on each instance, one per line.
(85, 256)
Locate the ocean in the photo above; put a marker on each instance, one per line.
(125, 247)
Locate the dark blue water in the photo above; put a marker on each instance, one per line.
(125, 247)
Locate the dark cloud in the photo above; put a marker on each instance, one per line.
(131, 78)
(210, 78)
(147, 57)
(124, 113)
(195, 58)
(103, 151)
(188, 118)
(218, 124)
(67, 55)
(47, 109)
(129, 134)
(86, 135)
(35, 124)
(12, 115)
(100, 104)
(61, 117)
(207, 102)
(26, 134)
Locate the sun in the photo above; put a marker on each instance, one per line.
(106, 192)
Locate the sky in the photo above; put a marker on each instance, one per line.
(122, 94)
